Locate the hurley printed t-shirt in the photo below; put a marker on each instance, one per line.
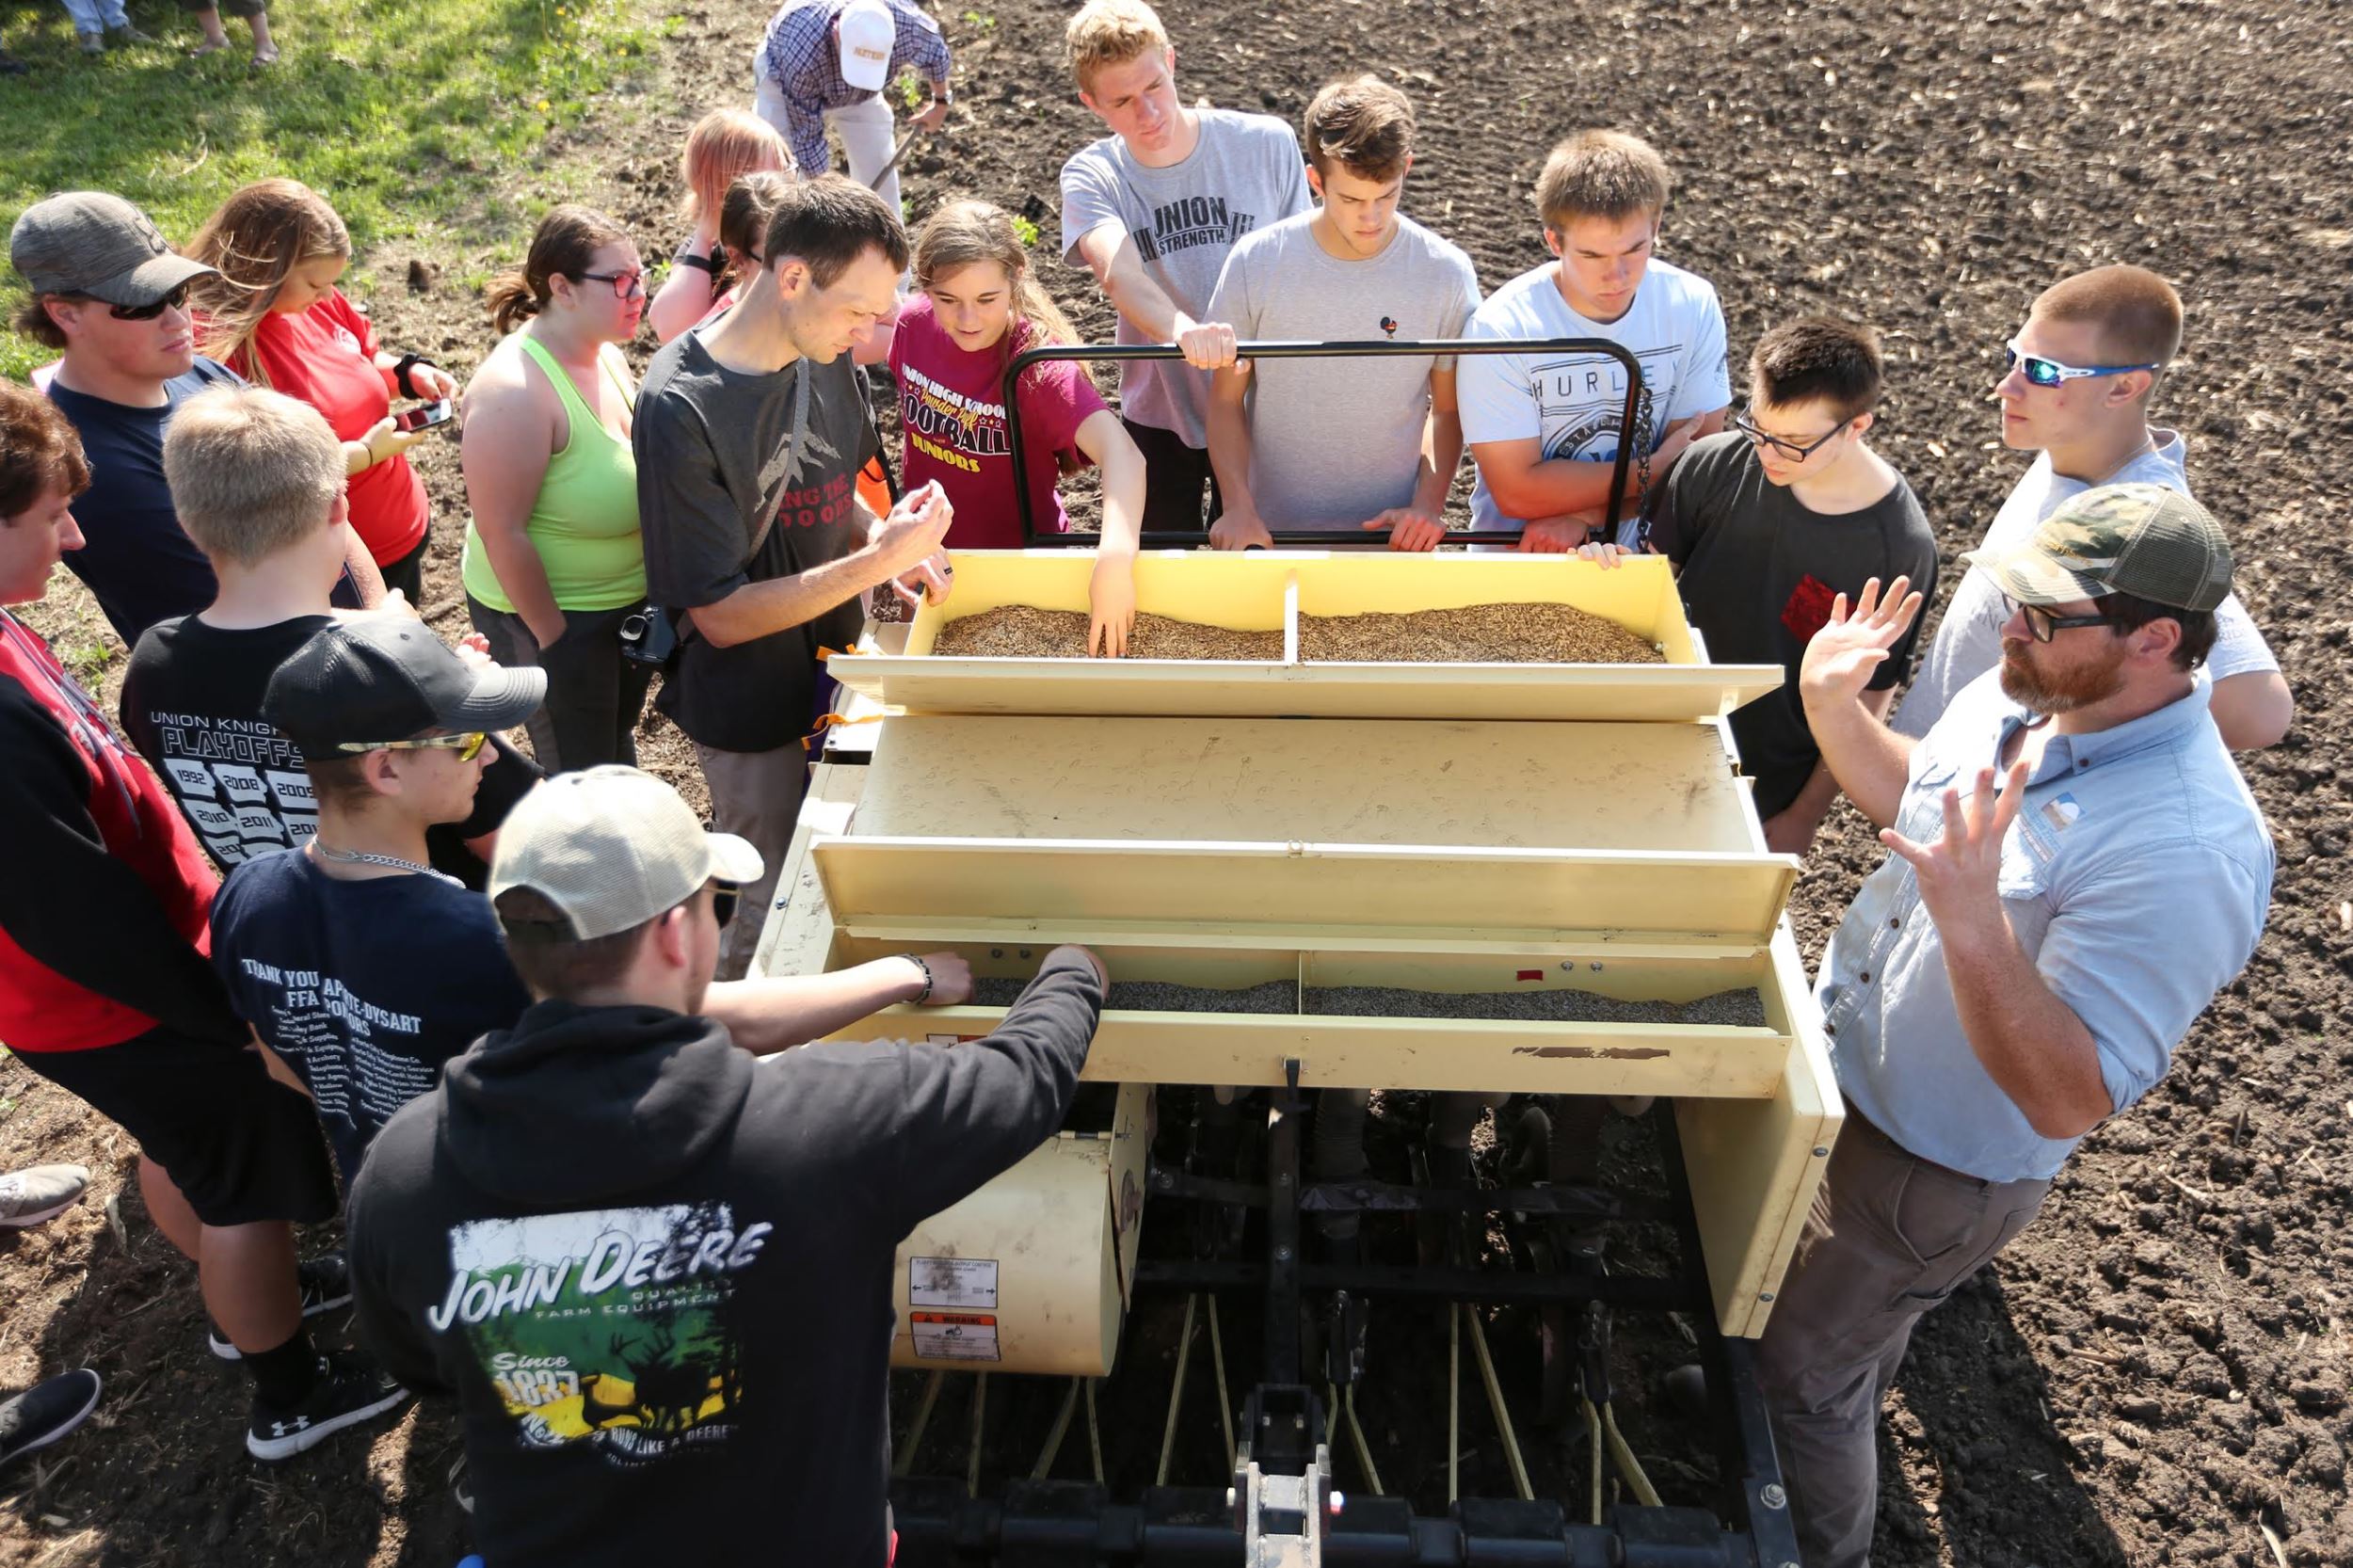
(1572, 402)
(1244, 172)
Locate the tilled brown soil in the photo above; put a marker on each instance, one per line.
(2156, 1373)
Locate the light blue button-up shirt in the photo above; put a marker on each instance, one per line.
(2136, 877)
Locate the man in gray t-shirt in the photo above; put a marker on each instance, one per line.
(1364, 445)
(1153, 210)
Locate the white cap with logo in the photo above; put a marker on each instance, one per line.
(612, 848)
(869, 33)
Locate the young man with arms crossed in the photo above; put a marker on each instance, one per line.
(105, 989)
(110, 291)
(1770, 522)
(610, 1209)
(2075, 390)
(1153, 210)
(259, 482)
(363, 967)
(1544, 427)
(1363, 445)
(2023, 965)
(750, 433)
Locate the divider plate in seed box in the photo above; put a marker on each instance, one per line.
(1270, 590)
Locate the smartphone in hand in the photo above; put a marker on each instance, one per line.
(425, 416)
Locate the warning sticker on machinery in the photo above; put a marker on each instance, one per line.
(955, 1335)
(969, 1283)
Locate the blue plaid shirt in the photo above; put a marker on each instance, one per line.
(800, 57)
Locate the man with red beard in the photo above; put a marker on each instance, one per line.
(2020, 967)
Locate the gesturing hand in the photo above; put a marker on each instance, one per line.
(1839, 661)
(1959, 874)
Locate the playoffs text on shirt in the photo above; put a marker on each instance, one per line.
(238, 781)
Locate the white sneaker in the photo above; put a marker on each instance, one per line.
(40, 1193)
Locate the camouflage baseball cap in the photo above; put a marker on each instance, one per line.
(88, 242)
(2146, 540)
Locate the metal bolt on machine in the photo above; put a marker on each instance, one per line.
(1438, 828)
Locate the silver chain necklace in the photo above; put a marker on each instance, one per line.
(361, 858)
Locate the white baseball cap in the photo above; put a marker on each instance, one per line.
(868, 32)
(611, 848)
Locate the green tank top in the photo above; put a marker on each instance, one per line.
(583, 522)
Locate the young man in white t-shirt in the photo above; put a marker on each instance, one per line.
(1544, 427)
(2077, 390)
(1362, 447)
(1153, 210)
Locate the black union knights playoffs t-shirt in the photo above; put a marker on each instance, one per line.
(1759, 571)
(192, 704)
(714, 447)
(364, 987)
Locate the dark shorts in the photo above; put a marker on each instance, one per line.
(407, 573)
(241, 1146)
(1174, 476)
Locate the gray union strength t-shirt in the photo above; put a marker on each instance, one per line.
(1334, 443)
(1244, 172)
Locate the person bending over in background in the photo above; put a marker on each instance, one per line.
(827, 62)
(555, 562)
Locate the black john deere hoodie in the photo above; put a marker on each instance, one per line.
(657, 1273)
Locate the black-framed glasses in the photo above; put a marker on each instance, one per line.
(2050, 373)
(2044, 625)
(176, 300)
(626, 285)
(466, 744)
(1746, 424)
(724, 896)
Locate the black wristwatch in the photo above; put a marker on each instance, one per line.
(926, 995)
(700, 264)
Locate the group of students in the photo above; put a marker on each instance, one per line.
(499, 1016)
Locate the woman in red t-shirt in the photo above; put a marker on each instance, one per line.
(271, 313)
(979, 307)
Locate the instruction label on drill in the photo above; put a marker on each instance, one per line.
(955, 1335)
(965, 1283)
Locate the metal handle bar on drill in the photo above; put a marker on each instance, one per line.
(1313, 538)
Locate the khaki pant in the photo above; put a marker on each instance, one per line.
(1905, 1234)
(754, 796)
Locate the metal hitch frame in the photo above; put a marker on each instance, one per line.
(1311, 538)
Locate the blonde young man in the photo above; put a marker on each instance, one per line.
(1153, 210)
(1359, 446)
(2076, 387)
(1544, 427)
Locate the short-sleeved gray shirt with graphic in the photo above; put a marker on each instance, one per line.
(1244, 172)
(1334, 443)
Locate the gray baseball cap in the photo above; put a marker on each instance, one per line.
(611, 848)
(88, 242)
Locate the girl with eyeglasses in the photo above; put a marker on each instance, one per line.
(553, 560)
(270, 310)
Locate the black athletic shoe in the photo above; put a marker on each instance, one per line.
(46, 1412)
(326, 1286)
(350, 1390)
(461, 1484)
